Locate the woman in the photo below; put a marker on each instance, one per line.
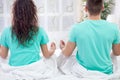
(24, 38)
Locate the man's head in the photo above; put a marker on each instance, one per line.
(94, 7)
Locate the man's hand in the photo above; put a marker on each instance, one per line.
(62, 44)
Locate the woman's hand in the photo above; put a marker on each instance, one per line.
(47, 53)
(52, 47)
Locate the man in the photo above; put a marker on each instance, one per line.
(94, 39)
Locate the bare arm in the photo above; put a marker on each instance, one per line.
(116, 49)
(3, 52)
(67, 49)
(48, 53)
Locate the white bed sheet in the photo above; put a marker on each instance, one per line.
(48, 71)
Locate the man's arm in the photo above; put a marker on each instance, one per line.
(116, 49)
(67, 49)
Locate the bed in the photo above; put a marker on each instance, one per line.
(48, 71)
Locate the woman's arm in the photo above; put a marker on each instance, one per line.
(48, 53)
(3, 52)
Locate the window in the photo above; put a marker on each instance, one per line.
(1, 15)
(56, 16)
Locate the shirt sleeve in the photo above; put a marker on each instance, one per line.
(72, 35)
(3, 39)
(117, 36)
(44, 37)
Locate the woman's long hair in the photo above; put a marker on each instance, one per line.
(25, 20)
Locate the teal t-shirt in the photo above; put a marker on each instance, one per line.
(94, 39)
(22, 55)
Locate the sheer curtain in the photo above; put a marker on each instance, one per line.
(117, 11)
(56, 16)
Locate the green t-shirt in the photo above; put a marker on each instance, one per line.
(22, 55)
(94, 39)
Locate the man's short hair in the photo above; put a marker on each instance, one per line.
(94, 6)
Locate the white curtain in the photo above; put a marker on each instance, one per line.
(117, 11)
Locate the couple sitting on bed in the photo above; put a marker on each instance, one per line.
(94, 38)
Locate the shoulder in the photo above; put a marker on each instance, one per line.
(109, 23)
(6, 30)
(112, 25)
(41, 30)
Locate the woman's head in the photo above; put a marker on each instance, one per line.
(25, 21)
(94, 7)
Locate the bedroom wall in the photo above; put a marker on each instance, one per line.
(56, 16)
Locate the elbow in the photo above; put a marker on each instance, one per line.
(117, 54)
(3, 57)
(47, 56)
(66, 53)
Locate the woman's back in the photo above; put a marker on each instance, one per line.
(20, 54)
(24, 38)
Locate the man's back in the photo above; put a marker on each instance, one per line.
(94, 39)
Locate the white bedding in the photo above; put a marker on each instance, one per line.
(71, 66)
(41, 70)
(45, 69)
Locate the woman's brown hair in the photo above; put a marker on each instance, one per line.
(25, 20)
